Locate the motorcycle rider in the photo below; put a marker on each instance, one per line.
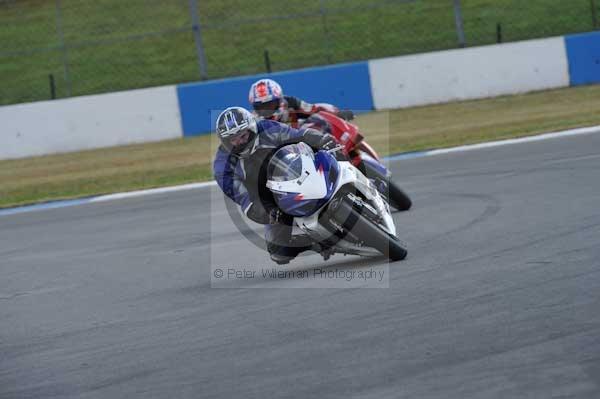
(240, 169)
(268, 101)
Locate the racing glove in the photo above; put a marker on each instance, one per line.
(346, 114)
(322, 141)
(327, 142)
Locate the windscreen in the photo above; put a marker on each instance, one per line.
(286, 163)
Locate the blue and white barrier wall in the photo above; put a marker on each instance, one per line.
(189, 109)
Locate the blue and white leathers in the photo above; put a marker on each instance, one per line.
(303, 182)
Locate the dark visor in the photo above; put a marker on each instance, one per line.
(266, 109)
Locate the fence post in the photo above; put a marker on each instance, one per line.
(327, 40)
(63, 45)
(267, 61)
(197, 30)
(52, 86)
(459, 24)
(498, 32)
(594, 14)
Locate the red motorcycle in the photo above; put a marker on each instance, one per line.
(361, 155)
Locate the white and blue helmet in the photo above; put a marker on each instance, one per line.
(237, 130)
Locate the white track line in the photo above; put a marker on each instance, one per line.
(499, 143)
(194, 186)
(161, 190)
(102, 198)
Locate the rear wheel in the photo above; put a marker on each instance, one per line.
(348, 216)
(398, 198)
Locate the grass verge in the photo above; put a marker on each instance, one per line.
(31, 180)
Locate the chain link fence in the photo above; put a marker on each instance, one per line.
(62, 48)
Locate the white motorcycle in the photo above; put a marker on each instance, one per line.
(333, 202)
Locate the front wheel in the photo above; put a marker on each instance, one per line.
(347, 216)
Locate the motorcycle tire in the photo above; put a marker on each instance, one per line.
(367, 231)
(398, 198)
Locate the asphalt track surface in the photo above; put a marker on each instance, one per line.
(498, 298)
